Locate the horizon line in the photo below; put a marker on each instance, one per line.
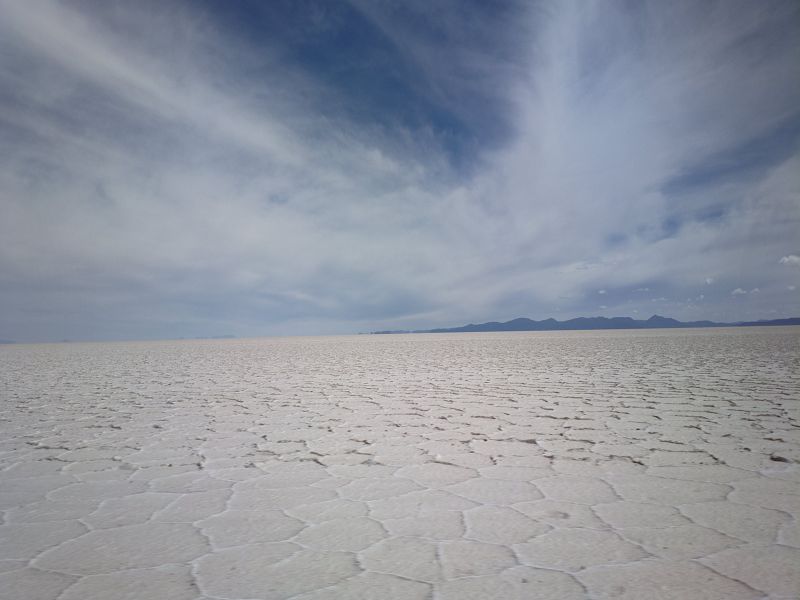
(223, 337)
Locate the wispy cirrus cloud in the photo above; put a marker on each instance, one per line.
(180, 169)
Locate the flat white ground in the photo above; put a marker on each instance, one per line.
(657, 465)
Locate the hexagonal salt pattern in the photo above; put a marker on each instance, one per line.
(433, 467)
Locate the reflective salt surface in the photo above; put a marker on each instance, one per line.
(556, 465)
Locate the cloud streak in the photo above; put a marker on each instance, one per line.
(167, 172)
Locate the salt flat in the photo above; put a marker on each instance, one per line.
(558, 465)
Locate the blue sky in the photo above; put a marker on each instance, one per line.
(269, 168)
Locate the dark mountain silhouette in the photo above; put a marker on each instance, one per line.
(589, 323)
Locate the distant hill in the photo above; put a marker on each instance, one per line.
(590, 323)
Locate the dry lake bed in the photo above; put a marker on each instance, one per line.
(618, 464)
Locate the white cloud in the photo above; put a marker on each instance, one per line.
(151, 186)
(738, 292)
(791, 260)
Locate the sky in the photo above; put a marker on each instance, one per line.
(181, 169)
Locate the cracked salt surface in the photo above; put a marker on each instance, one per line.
(558, 465)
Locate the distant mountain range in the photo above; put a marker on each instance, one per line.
(584, 323)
